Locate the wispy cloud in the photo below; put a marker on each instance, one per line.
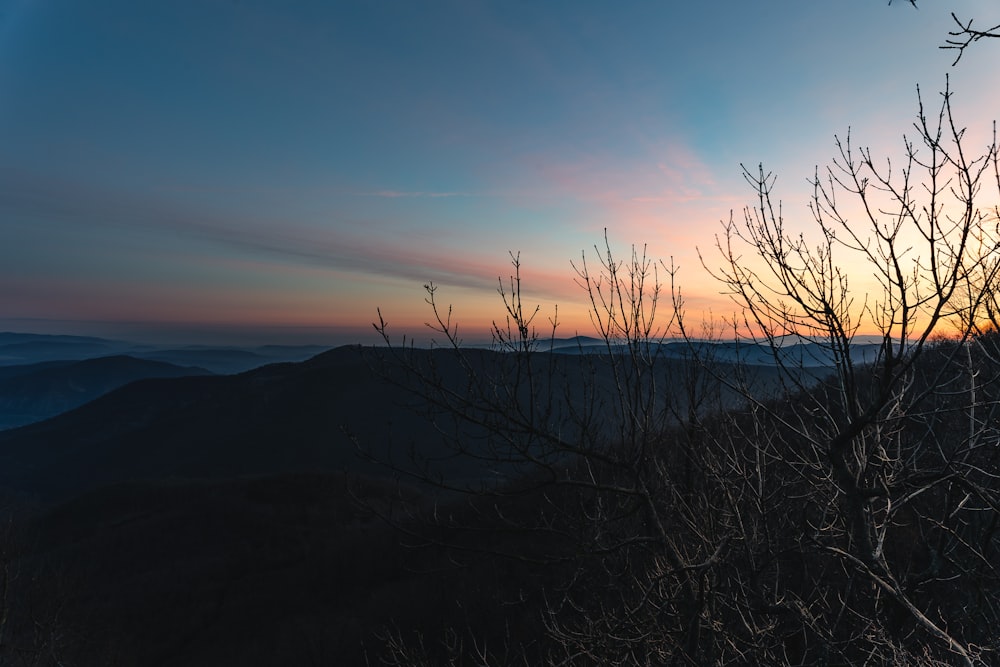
(395, 194)
(346, 243)
(667, 171)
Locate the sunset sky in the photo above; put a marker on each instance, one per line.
(272, 171)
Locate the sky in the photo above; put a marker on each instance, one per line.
(271, 171)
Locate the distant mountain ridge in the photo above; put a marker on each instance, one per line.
(43, 375)
(798, 353)
(35, 392)
(19, 349)
(287, 417)
(11, 338)
(25, 348)
(281, 417)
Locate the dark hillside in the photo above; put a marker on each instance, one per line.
(204, 520)
(280, 417)
(285, 417)
(29, 348)
(219, 360)
(7, 372)
(38, 391)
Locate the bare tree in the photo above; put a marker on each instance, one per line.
(899, 502)
(602, 443)
(683, 514)
(965, 36)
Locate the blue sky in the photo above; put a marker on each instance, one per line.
(274, 171)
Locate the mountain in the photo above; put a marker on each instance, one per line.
(287, 417)
(219, 360)
(211, 519)
(280, 417)
(22, 349)
(226, 360)
(199, 520)
(21, 369)
(799, 354)
(25, 348)
(34, 392)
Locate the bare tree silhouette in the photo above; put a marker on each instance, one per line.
(686, 513)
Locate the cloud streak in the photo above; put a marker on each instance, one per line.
(343, 244)
(397, 194)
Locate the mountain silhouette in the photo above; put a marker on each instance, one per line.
(34, 392)
(285, 417)
(312, 416)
